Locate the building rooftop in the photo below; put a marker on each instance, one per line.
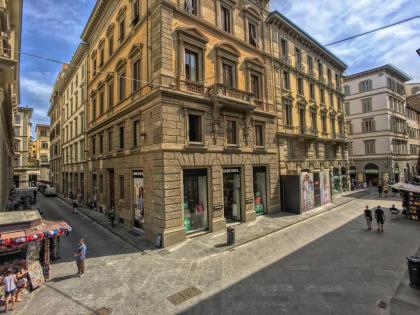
(385, 68)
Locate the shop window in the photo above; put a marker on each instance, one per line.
(231, 132)
(136, 133)
(259, 135)
(195, 131)
(226, 19)
(195, 200)
(260, 189)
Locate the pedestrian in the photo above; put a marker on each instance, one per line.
(365, 186)
(71, 195)
(21, 283)
(380, 218)
(9, 289)
(35, 193)
(75, 205)
(380, 189)
(386, 188)
(368, 217)
(394, 211)
(112, 215)
(80, 255)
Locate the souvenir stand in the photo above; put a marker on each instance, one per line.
(29, 242)
(411, 194)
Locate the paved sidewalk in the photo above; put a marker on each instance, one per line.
(406, 300)
(213, 243)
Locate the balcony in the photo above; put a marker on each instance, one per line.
(192, 87)
(308, 133)
(300, 67)
(288, 131)
(231, 97)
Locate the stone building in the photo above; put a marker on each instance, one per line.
(42, 150)
(74, 95)
(412, 88)
(376, 113)
(10, 34)
(311, 128)
(413, 120)
(25, 172)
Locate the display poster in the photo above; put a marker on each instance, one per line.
(35, 274)
(325, 187)
(307, 191)
(138, 197)
(360, 177)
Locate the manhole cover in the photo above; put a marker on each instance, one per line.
(184, 295)
(102, 311)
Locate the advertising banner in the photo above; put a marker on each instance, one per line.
(138, 198)
(325, 187)
(307, 191)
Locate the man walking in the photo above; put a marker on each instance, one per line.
(380, 218)
(80, 255)
(368, 216)
(112, 215)
(75, 205)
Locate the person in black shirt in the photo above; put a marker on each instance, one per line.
(380, 218)
(368, 217)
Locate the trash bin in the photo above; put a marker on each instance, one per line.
(414, 271)
(230, 235)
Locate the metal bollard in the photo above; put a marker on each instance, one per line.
(230, 235)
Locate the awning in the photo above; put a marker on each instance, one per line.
(407, 187)
(47, 228)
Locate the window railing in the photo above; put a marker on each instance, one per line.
(192, 87)
(219, 89)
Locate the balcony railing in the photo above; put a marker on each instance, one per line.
(192, 87)
(287, 130)
(219, 89)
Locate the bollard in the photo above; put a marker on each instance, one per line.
(230, 235)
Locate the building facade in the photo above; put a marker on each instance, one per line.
(311, 129)
(42, 150)
(413, 120)
(10, 33)
(74, 95)
(376, 113)
(194, 109)
(412, 88)
(25, 171)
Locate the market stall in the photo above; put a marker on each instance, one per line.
(411, 198)
(29, 242)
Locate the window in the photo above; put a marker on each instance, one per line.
(136, 133)
(121, 81)
(329, 76)
(312, 91)
(195, 200)
(121, 30)
(369, 147)
(110, 95)
(288, 112)
(136, 75)
(337, 80)
(365, 86)
(231, 132)
(94, 68)
(121, 134)
(195, 133)
(82, 150)
(367, 105)
(347, 108)
(44, 145)
(320, 71)
(191, 6)
(314, 120)
(111, 45)
(191, 66)
(259, 135)
(255, 86)
(286, 80)
(94, 107)
(136, 12)
(331, 99)
(284, 48)
(324, 121)
(300, 86)
(121, 187)
(43, 133)
(101, 57)
(310, 64)
(252, 34)
(298, 54)
(226, 19)
(101, 144)
(109, 140)
(347, 89)
(228, 75)
(322, 92)
(82, 122)
(101, 183)
(368, 125)
(101, 102)
(93, 145)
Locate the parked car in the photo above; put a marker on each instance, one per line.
(49, 192)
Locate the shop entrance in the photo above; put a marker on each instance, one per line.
(138, 197)
(33, 178)
(260, 189)
(16, 180)
(232, 193)
(372, 174)
(317, 189)
(111, 189)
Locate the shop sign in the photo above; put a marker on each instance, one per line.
(217, 207)
(231, 170)
(138, 174)
(371, 171)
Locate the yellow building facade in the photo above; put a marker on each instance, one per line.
(185, 121)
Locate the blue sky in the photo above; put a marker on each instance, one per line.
(52, 28)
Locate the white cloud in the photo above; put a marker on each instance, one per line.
(331, 20)
(36, 89)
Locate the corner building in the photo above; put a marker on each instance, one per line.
(181, 120)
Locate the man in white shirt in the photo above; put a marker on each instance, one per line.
(10, 288)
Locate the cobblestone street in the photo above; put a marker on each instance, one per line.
(328, 264)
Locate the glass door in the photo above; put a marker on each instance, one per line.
(232, 194)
